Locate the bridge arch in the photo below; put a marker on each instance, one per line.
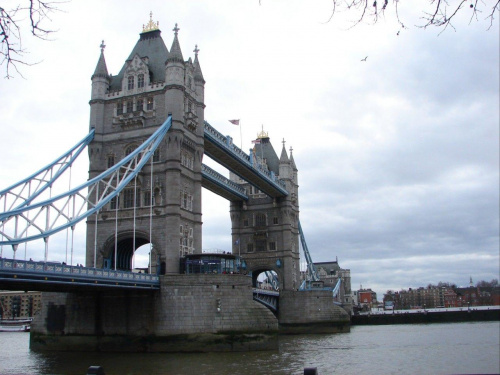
(125, 249)
(258, 269)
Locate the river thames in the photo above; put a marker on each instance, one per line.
(453, 348)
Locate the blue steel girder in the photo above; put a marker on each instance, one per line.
(311, 268)
(219, 148)
(25, 191)
(268, 298)
(46, 218)
(220, 185)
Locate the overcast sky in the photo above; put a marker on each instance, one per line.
(398, 155)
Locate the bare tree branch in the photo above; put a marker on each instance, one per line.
(442, 13)
(12, 52)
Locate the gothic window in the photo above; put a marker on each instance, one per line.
(130, 82)
(156, 156)
(187, 160)
(129, 150)
(275, 220)
(113, 203)
(272, 245)
(186, 201)
(186, 241)
(111, 160)
(250, 248)
(150, 102)
(130, 106)
(245, 223)
(139, 105)
(147, 199)
(156, 197)
(261, 245)
(140, 80)
(128, 198)
(119, 108)
(260, 220)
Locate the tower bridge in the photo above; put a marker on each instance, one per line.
(147, 139)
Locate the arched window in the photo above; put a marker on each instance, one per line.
(119, 108)
(140, 80)
(129, 150)
(139, 106)
(156, 156)
(260, 220)
(130, 82)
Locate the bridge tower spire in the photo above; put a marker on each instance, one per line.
(162, 206)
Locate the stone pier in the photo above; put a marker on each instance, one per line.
(190, 313)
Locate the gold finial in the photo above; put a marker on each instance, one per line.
(150, 26)
(262, 134)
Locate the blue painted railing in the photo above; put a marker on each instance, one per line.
(223, 182)
(23, 269)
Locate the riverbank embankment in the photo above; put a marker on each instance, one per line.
(428, 316)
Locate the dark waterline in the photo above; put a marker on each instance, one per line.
(458, 348)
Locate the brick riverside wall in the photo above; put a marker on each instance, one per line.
(311, 312)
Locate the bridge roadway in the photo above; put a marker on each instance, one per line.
(57, 277)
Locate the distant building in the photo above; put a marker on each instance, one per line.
(435, 297)
(19, 304)
(367, 299)
(330, 273)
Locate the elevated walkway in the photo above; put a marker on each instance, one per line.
(221, 149)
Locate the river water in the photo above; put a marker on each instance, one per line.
(453, 348)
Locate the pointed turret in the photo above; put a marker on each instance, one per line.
(100, 78)
(101, 70)
(285, 169)
(284, 156)
(175, 50)
(198, 75)
(292, 161)
(199, 81)
(175, 79)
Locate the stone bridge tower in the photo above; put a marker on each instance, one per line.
(125, 109)
(265, 230)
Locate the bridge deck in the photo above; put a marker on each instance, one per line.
(30, 275)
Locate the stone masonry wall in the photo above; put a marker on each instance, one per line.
(210, 304)
(311, 312)
(189, 313)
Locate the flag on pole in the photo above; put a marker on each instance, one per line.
(256, 141)
(235, 122)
